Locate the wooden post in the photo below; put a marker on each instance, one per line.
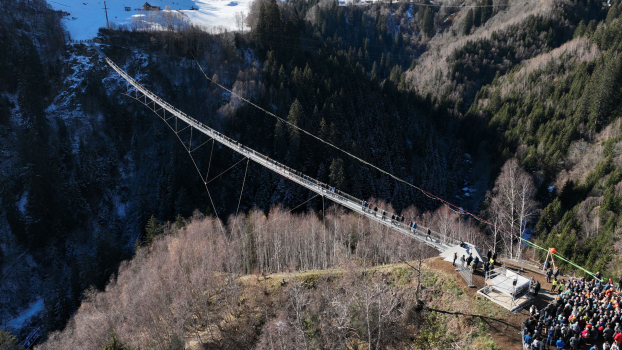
(545, 260)
(106, 9)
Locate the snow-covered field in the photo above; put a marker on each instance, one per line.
(87, 16)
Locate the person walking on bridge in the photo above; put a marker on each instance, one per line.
(429, 235)
(455, 257)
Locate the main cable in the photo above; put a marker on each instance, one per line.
(381, 170)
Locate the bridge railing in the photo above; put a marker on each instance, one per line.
(466, 273)
(521, 263)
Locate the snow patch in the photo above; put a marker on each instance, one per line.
(23, 201)
(120, 207)
(85, 18)
(33, 309)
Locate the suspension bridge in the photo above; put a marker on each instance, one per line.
(447, 246)
(167, 112)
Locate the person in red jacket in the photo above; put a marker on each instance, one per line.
(586, 333)
(618, 338)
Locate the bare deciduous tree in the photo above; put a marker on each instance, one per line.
(513, 204)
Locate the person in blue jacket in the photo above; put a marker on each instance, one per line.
(560, 343)
(527, 339)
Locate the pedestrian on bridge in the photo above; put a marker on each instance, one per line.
(455, 257)
(429, 235)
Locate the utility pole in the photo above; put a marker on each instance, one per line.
(106, 9)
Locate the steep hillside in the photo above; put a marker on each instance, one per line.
(182, 292)
(559, 115)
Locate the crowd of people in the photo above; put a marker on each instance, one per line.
(584, 314)
(473, 263)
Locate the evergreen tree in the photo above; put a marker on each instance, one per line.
(613, 13)
(606, 86)
(152, 230)
(114, 343)
(337, 175)
(296, 114)
(581, 29)
(396, 74)
(413, 64)
(374, 73)
(179, 222)
(8, 341)
(427, 21)
(269, 26)
(280, 139)
(486, 10)
(182, 203)
(468, 22)
(477, 17)
(32, 87)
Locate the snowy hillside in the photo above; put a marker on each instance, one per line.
(86, 16)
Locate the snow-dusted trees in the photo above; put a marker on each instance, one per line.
(512, 204)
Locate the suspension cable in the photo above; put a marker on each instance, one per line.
(241, 191)
(217, 176)
(191, 157)
(210, 159)
(394, 177)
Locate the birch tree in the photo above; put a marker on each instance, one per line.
(512, 203)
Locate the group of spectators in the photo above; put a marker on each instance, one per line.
(472, 263)
(584, 313)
